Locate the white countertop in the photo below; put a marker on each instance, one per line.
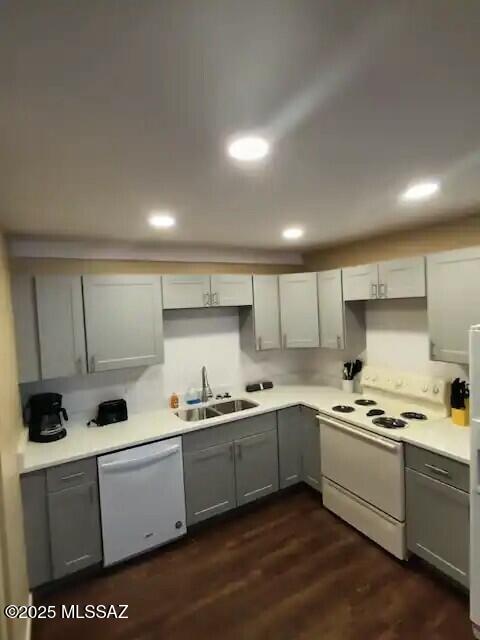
(441, 436)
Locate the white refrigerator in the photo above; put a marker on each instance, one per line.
(475, 479)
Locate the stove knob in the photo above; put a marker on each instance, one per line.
(399, 384)
(436, 389)
(425, 388)
(367, 377)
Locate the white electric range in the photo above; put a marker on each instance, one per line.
(362, 454)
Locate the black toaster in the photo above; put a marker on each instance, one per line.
(111, 411)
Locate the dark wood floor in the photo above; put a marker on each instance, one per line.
(286, 570)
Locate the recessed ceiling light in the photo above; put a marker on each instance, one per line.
(248, 148)
(421, 191)
(292, 233)
(161, 220)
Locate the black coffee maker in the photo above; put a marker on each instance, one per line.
(44, 413)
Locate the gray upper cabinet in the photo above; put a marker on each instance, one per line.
(233, 290)
(123, 319)
(360, 282)
(60, 326)
(331, 309)
(438, 524)
(26, 329)
(290, 442)
(74, 528)
(256, 466)
(266, 312)
(311, 459)
(453, 302)
(299, 310)
(185, 291)
(403, 278)
(37, 532)
(209, 482)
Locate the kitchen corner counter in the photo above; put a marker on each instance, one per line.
(440, 436)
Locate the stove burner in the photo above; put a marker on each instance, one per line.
(390, 423)
(375, 412)
(343, 408)
(365, 402)
(413, 415)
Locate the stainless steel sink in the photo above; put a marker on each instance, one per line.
(199, 413)
(231, 406)
(214, 410)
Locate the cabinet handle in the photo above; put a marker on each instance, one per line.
(284, 340)
(215, 298)
(79, 365)
(382, 290)
(92, 364)
(72, 476)
(259, 343)
(206, 299)
(374, 290)
(432, 349)
(339, 342)
(239, 451)
(438, 470)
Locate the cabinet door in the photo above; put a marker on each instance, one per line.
(256, 466)
(74, 529)
(185, 291)
(360, 283)
(209, 482)
(266, 312)
(311, 461)
(290, 440)
(330, 309)
(123, 319)
(402, 278)
(453, 302)
(37, 534)
(299, 310)
(231, 290)
(60, 326)
(26, 332)
(438, 524)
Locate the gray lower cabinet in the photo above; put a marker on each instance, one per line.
(438, 524)
(209, 481)
(290, 439)
(311, 462)
(229, 465)
(62, 520)
(299, 447)
(74, 529)
(256, 466)
(37, 532)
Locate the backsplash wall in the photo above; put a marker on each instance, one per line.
(193, 338)
(398, 338)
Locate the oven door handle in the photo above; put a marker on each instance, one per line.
(361, 435)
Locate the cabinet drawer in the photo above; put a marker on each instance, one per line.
(212, 436)
(71, 474)
(444, 469)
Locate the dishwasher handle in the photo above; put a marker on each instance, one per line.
(121, 465)
(361, 435)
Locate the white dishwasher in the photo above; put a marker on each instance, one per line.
(142, 498)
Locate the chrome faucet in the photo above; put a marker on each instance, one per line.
(206, 389)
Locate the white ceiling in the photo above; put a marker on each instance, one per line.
(110, 109)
